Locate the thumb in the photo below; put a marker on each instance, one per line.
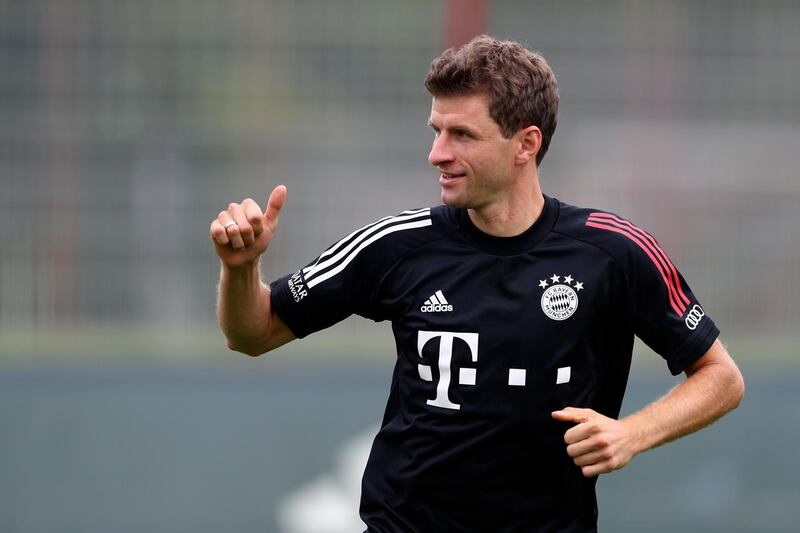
(572, 414)
(274, 206)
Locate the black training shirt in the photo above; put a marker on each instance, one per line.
(492, 335)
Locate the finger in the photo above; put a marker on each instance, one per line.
(231, 229)
(245, 229)
(583, 447)
(592, 471)
(252, 213)
(580, 432)
(218, 233)
(274, 206)
(590, 458)
(572, 414)
(595, 470)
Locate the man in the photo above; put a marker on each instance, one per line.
(514, 316)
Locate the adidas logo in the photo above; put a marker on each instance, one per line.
(437, 303)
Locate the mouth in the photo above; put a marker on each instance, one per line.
(446, 179)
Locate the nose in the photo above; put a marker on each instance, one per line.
(440, 151)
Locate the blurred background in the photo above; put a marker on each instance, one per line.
(127, 125)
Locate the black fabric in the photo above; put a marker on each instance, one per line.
(563, 295)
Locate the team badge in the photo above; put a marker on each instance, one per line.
(560, 299)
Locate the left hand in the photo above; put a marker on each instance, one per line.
(597, 444)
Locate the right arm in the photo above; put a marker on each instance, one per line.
(241, 234)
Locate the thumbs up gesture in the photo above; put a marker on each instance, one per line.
(243, 232)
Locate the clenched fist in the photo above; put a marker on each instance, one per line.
(242, 232)
(598, 444)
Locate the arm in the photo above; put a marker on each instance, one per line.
(240, 235)
(599, 444)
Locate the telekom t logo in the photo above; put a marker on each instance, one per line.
(466, 376)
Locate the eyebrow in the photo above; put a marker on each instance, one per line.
(456, 127)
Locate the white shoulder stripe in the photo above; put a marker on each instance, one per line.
(341, 242)
(337, 251)
(335, 247)
(400, 227)
(413, 211)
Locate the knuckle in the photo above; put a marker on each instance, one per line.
(233, 206)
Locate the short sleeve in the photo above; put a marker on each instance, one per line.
(345, 278)
(666, 314)
(306, 309)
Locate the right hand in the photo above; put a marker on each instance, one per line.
(242, 232)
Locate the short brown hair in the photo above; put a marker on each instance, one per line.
(520, 85)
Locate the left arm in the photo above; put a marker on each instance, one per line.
(599, 444)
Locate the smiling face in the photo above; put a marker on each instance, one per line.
(477, 165)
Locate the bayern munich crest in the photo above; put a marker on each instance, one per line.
(560, 298)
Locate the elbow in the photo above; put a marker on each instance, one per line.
(730, 386)
(252, 350)
(737, 388)
(258, 342)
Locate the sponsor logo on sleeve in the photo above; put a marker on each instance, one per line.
(297, 286)
(694, 317)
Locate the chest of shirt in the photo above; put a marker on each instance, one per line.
(473, 328)
(555, 291)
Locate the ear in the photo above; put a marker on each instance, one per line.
(530, 140)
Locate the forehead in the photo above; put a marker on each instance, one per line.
(472, 109)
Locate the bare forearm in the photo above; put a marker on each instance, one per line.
(707, 394)
(243, 308)
(241, 234)
(599, 444)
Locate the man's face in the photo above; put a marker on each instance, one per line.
(475, 161)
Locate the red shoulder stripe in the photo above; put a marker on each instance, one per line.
(672, 272)
(654, 252)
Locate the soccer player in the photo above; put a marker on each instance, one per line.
(514, 316)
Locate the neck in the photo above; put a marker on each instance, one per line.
(512, 216)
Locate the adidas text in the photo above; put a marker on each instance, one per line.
(436, 308)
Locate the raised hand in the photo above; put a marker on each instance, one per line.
(243, 232)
